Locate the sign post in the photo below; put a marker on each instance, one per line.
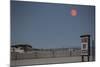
(85, 46)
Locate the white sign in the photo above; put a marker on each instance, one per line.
(84, 46)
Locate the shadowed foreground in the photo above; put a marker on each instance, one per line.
(47, 61)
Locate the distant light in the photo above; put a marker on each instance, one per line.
(73, 12)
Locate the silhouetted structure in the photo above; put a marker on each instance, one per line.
(21, 48)
(85, 46)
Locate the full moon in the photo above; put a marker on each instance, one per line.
(73, 12)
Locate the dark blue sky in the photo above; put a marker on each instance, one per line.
(45, 25)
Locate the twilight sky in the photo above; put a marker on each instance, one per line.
(45, 25)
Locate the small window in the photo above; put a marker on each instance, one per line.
(85, 40)
(84, 46)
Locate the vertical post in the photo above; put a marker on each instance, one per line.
(70, 51)
(82, 58)
(88, 58)
(89, 48)
(53, 52)
(93, 50)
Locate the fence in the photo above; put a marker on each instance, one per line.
(46, 53)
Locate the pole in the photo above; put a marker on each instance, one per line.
(82, 58)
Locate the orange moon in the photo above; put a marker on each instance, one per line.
(73, 12)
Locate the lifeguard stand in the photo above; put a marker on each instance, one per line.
(85, 46)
